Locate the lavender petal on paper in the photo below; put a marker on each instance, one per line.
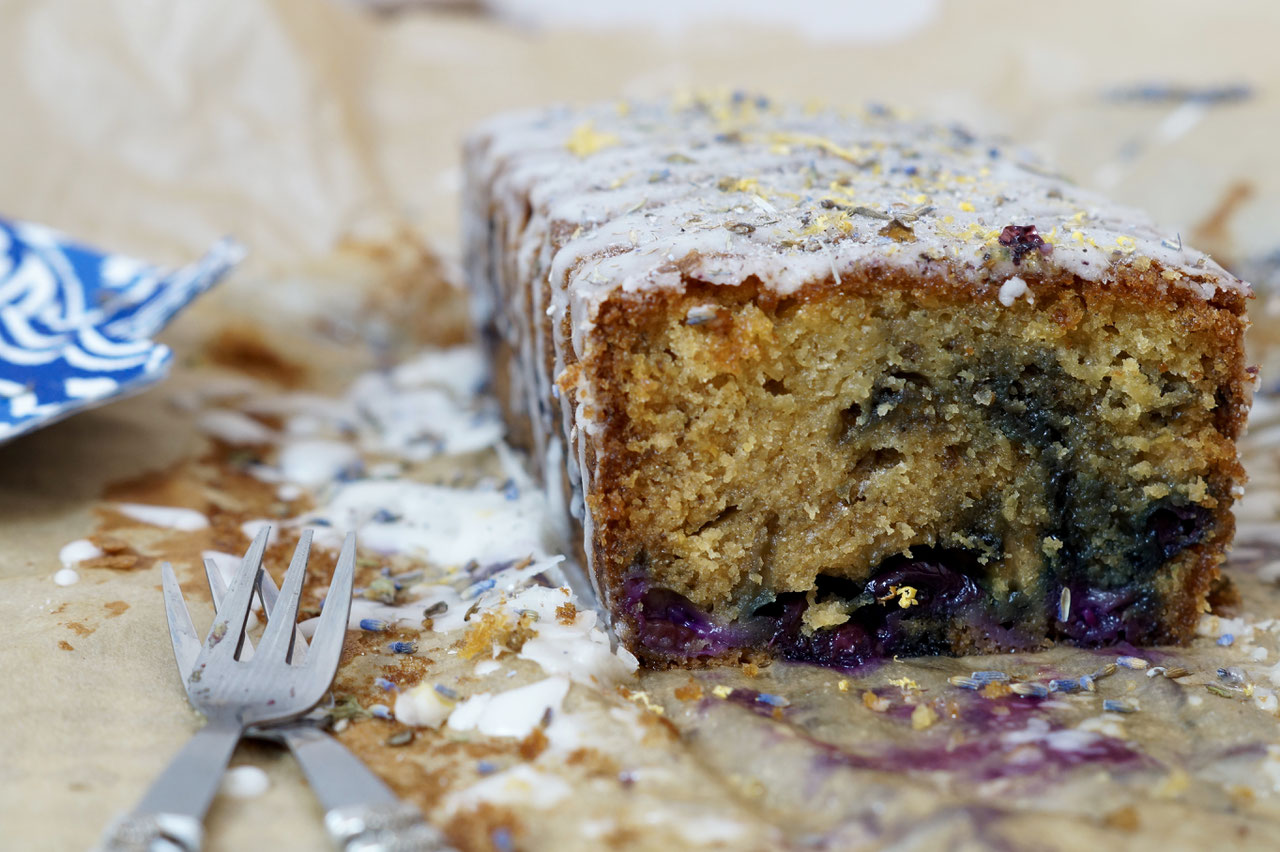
(76, 323)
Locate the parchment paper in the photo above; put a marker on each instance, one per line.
(327, 141)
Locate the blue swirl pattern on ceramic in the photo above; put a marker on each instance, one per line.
(76, 323)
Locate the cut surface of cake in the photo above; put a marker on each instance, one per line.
(833, 386)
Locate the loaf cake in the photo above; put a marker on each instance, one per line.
(829, 386)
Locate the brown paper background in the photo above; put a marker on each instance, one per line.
(327, 141)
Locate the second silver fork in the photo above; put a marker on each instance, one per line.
(234, 692)
(362, 814)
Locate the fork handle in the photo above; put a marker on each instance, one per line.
(362, 814)
(170, 816)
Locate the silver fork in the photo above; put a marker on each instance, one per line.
(361, 812)
(234, 694)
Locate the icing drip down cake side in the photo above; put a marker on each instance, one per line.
(829, 387)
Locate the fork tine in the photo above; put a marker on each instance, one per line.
(235, 609)
(277, 639)
(182, 633)
(331, 629)
(217, 587)
(269, 594)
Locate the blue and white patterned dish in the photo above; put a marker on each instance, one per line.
(76, 323)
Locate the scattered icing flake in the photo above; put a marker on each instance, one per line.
(522, 785)
(700, 829)
(721, 691)
(1215, 627)
(578, 649)
(447, 526)
(1270, 767)
(428, 599)
(252, 527)
(78, 551)
(514, 713)
(1012, 290)
(1107, 726)
(245, 782)
(461, 370)
(486, 667)
(419, 411)
(187, 520)
(66, 577)
(288, 491)
(316, 462)
(214, 389)
(233, 427)
(1059, 739)
(226, 563)
(1270, 573)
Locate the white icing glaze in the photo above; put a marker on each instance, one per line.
(423, 706)
(66, 577)
(78, 551)
(172, 517)
(252, 528)
(226, 563)
(214, 389)
(234, 427)
(289, 491)
(448, 526)
(427, 406)
(578, 650)
(484, 668)
(461, 371)
(514, 713)
(523, 785)
(493, 539)
(316, 462)
(1012, 290)
(1038, 732)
